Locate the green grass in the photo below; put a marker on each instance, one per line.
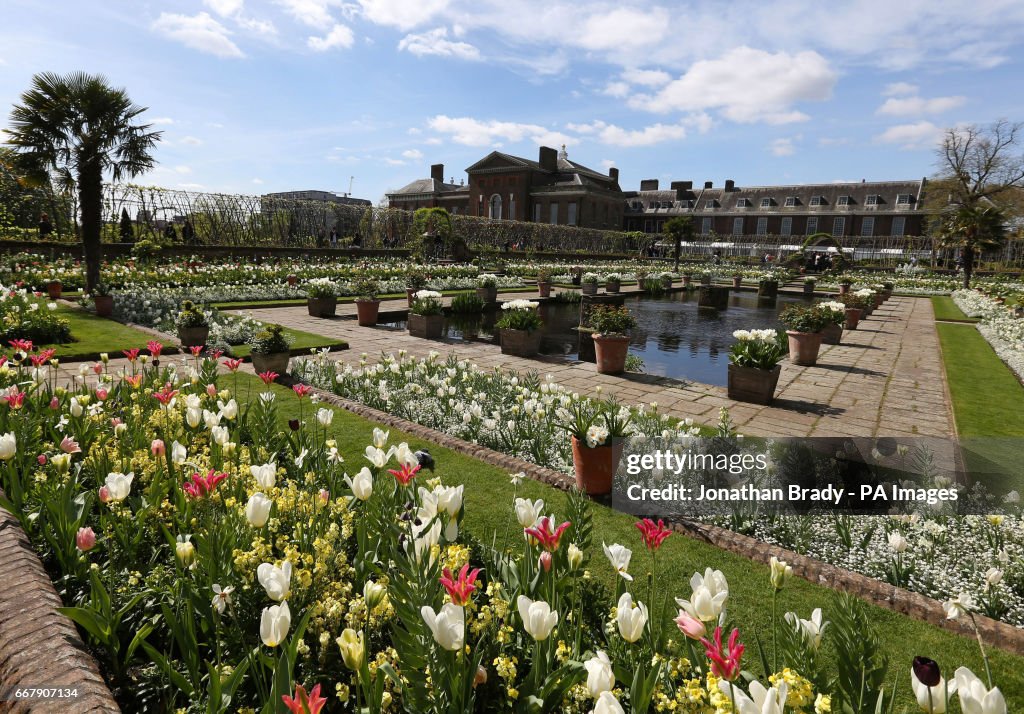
(302, 343)
(91, 336)
(488, 502)
(947, 311)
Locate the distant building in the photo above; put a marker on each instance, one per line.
(327, 196)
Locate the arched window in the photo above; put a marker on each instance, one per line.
(495, 212)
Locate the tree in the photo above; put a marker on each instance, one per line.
(78, 125)
(981, 172)
(125, 229)
(678, 229)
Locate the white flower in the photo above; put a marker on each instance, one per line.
(607, 704)
(361, 485)
(631, 618)
(447, 626)
(301, 458)
(257, 510)
(119, 485)
(811, 630)
(193, 417)
(178, 453)
(709, 595)
(220, 435)
(275, 579)
(958, 606)
(975, 697)
(515, 479)
(897, 542)
(528, 512)
(600, 677)
(265, 474)
(405, 456)
(538, 617)
(228, 410)
(596, 435)
(324, 416)
(993, 576)
(377, 456)
(932, 700)
(618, 556)
(760, 701)
(780, 570)
(380, 437)
(221, 598)
(184, 549)
(274, 624)
(8, 446)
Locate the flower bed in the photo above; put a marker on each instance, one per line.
(998, 326)
(30, 317)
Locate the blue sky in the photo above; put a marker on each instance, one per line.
(271, 95)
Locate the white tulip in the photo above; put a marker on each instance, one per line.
(8, 446)
(538, 617)
(449, 499)
(178, 453)
(575, 556)
(75, 407)
(528, 512)
(448, 626)
(274, 624)
(405, 456)
(377, 456)
(193, 417)
(228, 410)
(618, 556)
(119, 485)
(811, 630)
(257, 510)
(275, 579)
(424, 538)
(975, 697)
(380, 438)
(361, 485)
(324, 416)
(211, 419)
(710, 592)
(897, 542)
(607, 704)
(220, 435)
(265, 474)
(600, 677)
(993, 576)
(631, 618)
(932, 700)
(760, 701)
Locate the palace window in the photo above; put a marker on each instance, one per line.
(554, 213)
(708, 225)
(766, 203)
(818, 200)
(572, 213)
(743, 203)
(872, 199)
(713, 203)
(838, 225)
(867, 228)
(899, 225)
(762, 226)
(536, 213)
(787, 226)
(495, 207)
(790, 201)
(737, 226)
(843, 200)
(812, 225)
(904, 199)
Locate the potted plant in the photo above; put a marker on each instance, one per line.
(809, 284)
(611, 325)
(596, 431)
(767, 287)
(612, 282)
(705, 278)
(869, 301)
(270, 350)
(832, 333)
(193, 325)
(754, 365)
(666, 279)
(519, 328)
(487, 287)
(54, 288)
(544, 282)
(588, 284)
(844, 286)
(854, 309)
(576, 275)
(322, 298)
(879, 296)
(414, 282)
(804, 325)
(687, 278)
(367, 303)
(293, 279)
(102, 299)
(426, 316)
(887, 288)
(737, 280)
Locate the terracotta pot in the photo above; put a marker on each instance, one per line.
(487, 294)
(366, 312)
(832, 335)
(193, 336)
(737, 281)
(54, 289)
(322, 307)
(104, 305)
(611, 351)
(768, 289)
(589, 288)
(544, 289)
(756, 386)
(409, 295)
(879, 299)
(522, 343)
(430, 327)
(595, 467)
(803, 347)
(666, 282)
(273, 362)
(713, 297)
(844, 288)
(612, 286)
(852, 318)
(293, 279)
(687, 279)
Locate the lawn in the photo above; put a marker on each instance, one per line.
(302, 343)
(947, 311)
(488, 500)
(92, 336)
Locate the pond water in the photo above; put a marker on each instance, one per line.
(673, 337)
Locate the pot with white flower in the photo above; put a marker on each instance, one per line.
(270, 350)
(809, 284)
(804, 332)
(737, 280)
(415, 281)
(754, 365)
(487, 287)
(426, 317)
(321, 298)
(687, 279)
(854, 309)
(666, 279)
(612, 283)
(193, 325)
(832, 333)
(54, 288)
(588, 284)
(868, 295)
(611, 325)
(767, 288)
(102, 300)
(844, 286)
(519, 328)
(367, 302)
(544, 282)
(705, 278)
(596, 435)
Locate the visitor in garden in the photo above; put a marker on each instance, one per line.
(170, 233)
(45, 227)
(188, 233)
(334, 238)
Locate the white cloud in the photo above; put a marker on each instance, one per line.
(436, 42)
(833, 141)
(257, 26)
(899, 89)
(225, 8)
(474, 132)
(339, 36)
(191, 186)
(616, 89)
(921, 135)
(618, 136)
(648, 77)
(607, 163)
(782, 147)
(182, 169)
(908, 106)
(622, 26)
(403, 14)
(191, 141)
(200, 32)
(412, 154)
(747, 85)
(414, 131)
(162, 121)
(258, 181)
(315, 13)
(394, 162)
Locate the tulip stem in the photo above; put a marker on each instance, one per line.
(775, 632)
(981, 646)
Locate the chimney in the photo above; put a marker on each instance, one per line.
(548, 159)
(613, 174)
(709, 184)
(649, 185)
(681, 188)
(730, 185)
(437, 172)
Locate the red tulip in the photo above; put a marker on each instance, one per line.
(547, 538)
(654, 534)
(725, 661)
(302, 703)
(460, 589)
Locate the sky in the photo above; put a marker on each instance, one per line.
(254, 96)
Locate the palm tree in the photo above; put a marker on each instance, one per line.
(77, 125)
(678, 229)
(972, 229)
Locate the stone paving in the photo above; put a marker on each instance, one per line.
(885, 379)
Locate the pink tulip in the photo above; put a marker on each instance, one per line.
(324, 495)
(70, 446)
(104, 494)
(211, 389)
(690, 625)
(98, 368)
(102, 394)
(55, 404)
(41, 459)
(157, 447)
(545, 561)
(85, 540)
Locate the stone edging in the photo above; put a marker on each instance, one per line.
(915, 605)
(39, 647)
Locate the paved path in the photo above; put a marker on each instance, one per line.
(885, 379)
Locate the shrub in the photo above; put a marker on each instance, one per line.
(270, 340)
(611, 319)
(366, 289)
(519, 315)
(803, 318)
(321, 288)
(427, 302)
(835, 310)
(760, 349)
(28, 318)
(416, 280)
(467, 303)
(652, 286)
(544, 275)
(487, 280)
(853, 300)
(589, 278)
(191, 315)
